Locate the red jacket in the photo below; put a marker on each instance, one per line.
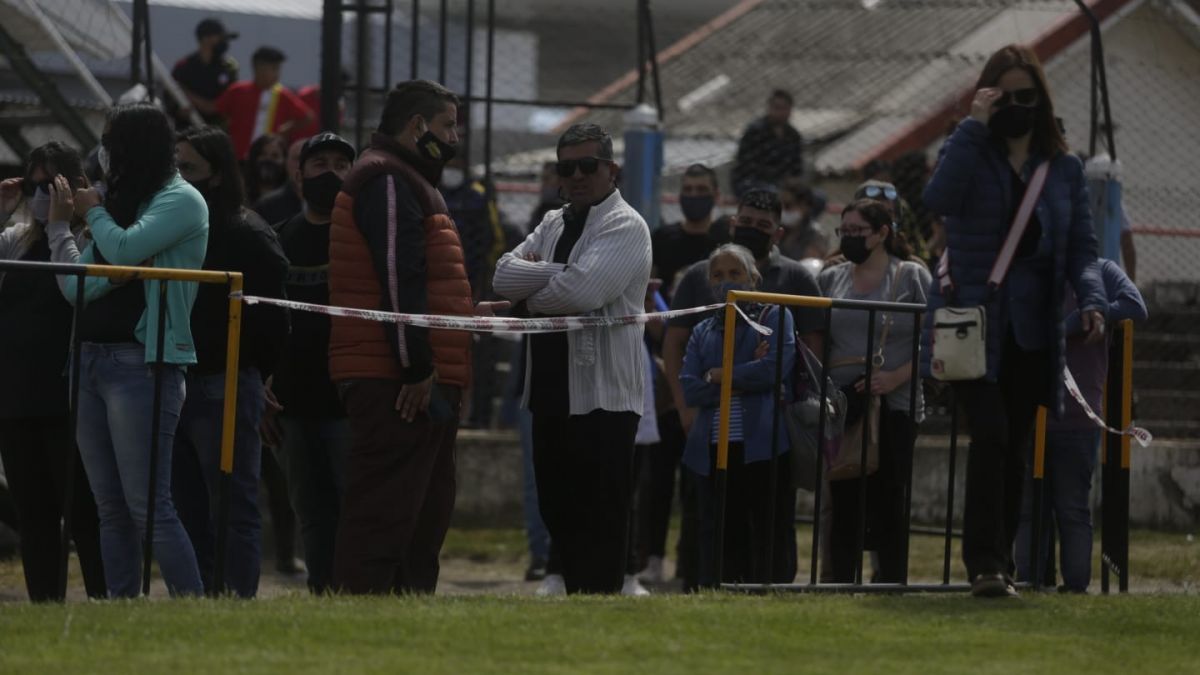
(240, 103)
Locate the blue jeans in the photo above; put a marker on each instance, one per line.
(196, 479)
(1070, 462)
(116, 403)
(313, 457)
(535, 529)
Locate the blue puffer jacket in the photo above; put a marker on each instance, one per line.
(972, 188)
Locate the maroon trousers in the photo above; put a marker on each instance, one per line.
(399, 491)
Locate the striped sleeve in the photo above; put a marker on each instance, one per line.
(600, 273)
(516, 278)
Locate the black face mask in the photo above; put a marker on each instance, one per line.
(269, 172)
(321, 191)
(435, 149)
(696, 207)
(756, 240)
(1012, 121)
(855, 249)
(220, 48)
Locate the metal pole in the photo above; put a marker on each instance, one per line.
(822, 418)
(950, 486)
(773, 480)
(658, 102)
(1039, 471)
(442, 43)
(69, 53)
(362, 65)
(1126, 341)
(641, 52)
(722, 463)
(149, 50)
(331, 65)
(414, 40)
(135, 51)
(228, 429)
(389, 7)
(861, 542)
(68, 501)
(1099, 69)
(906, 463)
(491, 68)
(155, 426)
(466, 141)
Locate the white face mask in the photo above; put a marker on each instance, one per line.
(791, 218)
(40, 205)
(102, 158)
(453, 177)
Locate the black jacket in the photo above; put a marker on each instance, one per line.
(247, 245)
(764, 159)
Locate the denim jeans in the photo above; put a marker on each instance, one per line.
(196, 479)
(313, 457)
(1070, 463)
(535, 529)
(116, 403)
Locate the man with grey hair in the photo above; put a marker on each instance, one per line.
(585, 388)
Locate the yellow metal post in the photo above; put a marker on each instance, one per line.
(1039, 445)
(232, 350)
(726, 381)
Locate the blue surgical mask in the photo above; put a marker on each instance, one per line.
(721, 290)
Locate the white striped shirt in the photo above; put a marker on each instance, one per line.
(606, 275)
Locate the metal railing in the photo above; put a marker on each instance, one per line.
(233, 280)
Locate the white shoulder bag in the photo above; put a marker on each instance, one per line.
(960, 333)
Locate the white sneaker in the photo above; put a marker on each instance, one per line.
(633, 588)
(653, 574)
(552, 585)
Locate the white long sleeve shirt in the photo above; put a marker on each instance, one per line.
(605, 275)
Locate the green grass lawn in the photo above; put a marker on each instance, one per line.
(709, 633)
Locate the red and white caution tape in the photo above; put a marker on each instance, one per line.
(495, 324)
(1142, 436)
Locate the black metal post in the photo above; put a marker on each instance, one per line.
(148, 53)
(362, 68)
(773, 480)
(658, 103)
(331, 66)
(224, 497)
(135, 51)
(68, 502)
(155, 426)
(442, 43)
(415, 40)
(861, 534)
(491, 68)
(389, 7)
(1035, 529)
(822, 419)
(950, 486)
(641, 52)
(466, 140)
(906, 463)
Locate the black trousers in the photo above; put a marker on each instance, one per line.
(748, 500)
(657, 490)
(583, 465)
(35, 451)
(400, 487)
(886, 493)
(1000, 416)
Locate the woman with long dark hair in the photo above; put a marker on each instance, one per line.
(877, 268)
(150, 217)
(238, 241)
(265, 168)
(981, 178)
(35, 429)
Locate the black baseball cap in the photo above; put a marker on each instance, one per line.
(326, 141)
(211, 26)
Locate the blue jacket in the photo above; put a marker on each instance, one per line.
(171, 230)
(753, 379)
(972, 188)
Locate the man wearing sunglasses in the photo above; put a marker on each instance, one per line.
(584, 388)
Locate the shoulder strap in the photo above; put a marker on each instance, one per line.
(1011, 241)
(1020, 223)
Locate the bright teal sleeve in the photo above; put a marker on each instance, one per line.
(171, 216)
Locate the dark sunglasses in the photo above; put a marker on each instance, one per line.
(1026, 98)
(876, 191)
(588, 165)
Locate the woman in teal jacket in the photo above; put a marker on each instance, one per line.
(151, 217)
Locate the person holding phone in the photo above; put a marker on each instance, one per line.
(980, 180)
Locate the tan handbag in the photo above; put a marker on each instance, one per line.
(847, 463)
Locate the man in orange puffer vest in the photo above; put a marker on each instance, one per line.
(392, 246)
